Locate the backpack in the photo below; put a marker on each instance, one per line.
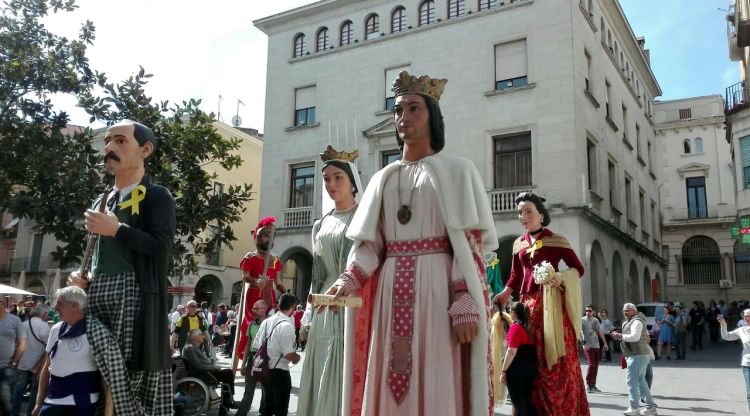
(259, 370)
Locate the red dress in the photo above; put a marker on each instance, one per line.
(253, 264)
(559, 390)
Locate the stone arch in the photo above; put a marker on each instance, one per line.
(632, 289)
(209, 288)
(36, 285)
(701, 261)
(600, 290)
(297, 268)
(236, 293)
(647, 293)
(618, 282)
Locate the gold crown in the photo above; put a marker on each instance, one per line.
(333, 154)
(410, 84)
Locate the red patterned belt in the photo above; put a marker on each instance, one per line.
(402, 321)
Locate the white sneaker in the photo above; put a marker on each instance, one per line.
(631, 412)
(649, 411)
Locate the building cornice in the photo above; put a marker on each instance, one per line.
(693, 122)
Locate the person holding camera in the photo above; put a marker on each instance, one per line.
(743, 334)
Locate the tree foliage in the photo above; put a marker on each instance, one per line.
(46, 169)
(188, 144)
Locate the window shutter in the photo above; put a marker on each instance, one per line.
(304, 98)
(745, 150)
(510, 60)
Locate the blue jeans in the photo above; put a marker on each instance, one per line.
(25, 378)
(7, 382)
(746, 375)
(635, 378)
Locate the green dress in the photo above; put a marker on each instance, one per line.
(321, 383)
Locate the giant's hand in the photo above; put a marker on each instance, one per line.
(502, 297)
(75, 279)
(466, 332)
(101, 223)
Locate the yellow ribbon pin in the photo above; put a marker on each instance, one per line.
(531, 250)
(136, 196)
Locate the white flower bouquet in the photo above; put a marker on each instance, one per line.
(543, 273)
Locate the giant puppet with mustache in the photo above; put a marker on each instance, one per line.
(127, 284)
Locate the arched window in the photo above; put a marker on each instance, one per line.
(701, 261)
(698, 145)
(455, 8)
(346, 34)
(398, 20)
(601, 28)
(686, 146)
(322, 41)
(299, 45)
(427, 12)
(372, 26)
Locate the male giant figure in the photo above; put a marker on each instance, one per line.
(127, 325)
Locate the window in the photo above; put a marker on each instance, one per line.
(455, 8)
(513, 161)
(299, 45)
(686, 146)
(588, 70)
(322, 41)
(654, 221)
(398, 20)
(638, 140)
(390, 76)
(510, 65)
(696, 197)
(346, 33)
(304, 106)
(389, 157)
(649, 155)
(213, 257)
(601, 26)
(609, 97)
(611, 170)
(624, 122)
(487, 4)
(628, 199)
(590, 8)
(642, 209)
(745, 156)
(218, 188)
(685, 113)
(372, 27)
(427, 12)
(701, 261)
(698, 145)
(302, 186)
(591, 160)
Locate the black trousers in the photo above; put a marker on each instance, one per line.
(224, 375)
(277, 389)
(520, 379)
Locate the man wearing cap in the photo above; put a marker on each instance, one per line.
(420, 236)
(128, 280)
(260, 286)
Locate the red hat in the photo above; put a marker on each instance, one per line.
(262, 223)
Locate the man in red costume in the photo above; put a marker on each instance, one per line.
(260, 286)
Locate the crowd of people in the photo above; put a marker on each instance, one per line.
(411, 247)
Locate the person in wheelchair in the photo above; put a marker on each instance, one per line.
(198, 364)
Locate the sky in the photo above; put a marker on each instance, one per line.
(199, 49)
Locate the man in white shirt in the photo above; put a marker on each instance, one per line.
(279, 330)
(743, 335)
(635, 346)
(175, 316)
(37, 332)
(69, 382)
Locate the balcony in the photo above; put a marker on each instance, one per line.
(739, 17)
(712, 214)
(298, 217)
(735, 98)
(504, 200)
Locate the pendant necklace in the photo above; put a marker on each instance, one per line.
(404, 211)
